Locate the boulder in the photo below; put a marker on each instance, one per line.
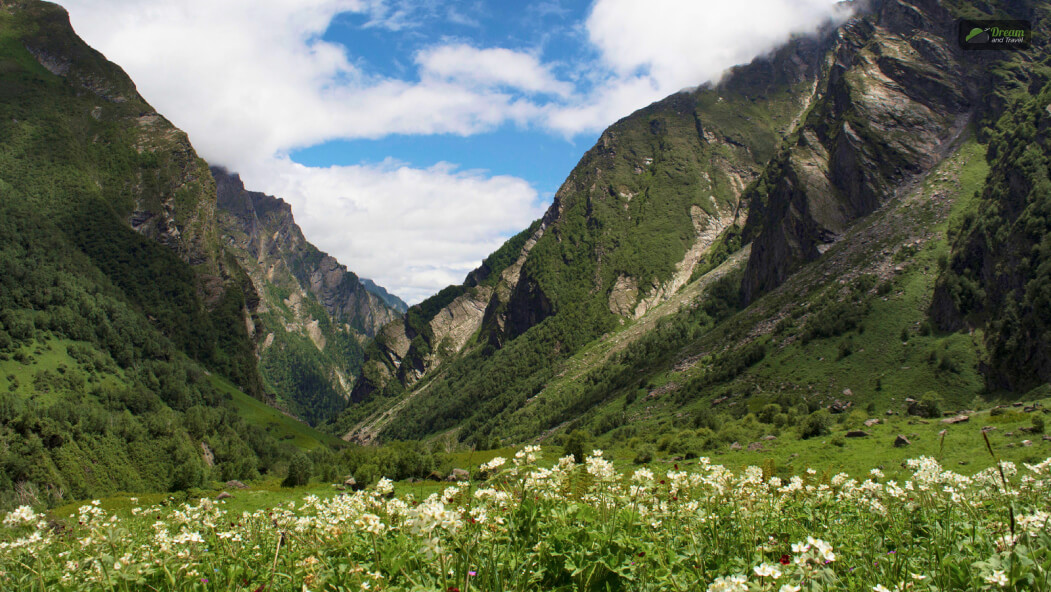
(223, 495)
(459, 475)
(901, 441)
(956, 419)
(755, 447)
(857, 434)
(235, 484)
(735, 446)
(352, 484)
(769, 437)
(871, 422)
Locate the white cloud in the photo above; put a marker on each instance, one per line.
(252, 80)
(682, 43)
(412, 230)
(490, 67)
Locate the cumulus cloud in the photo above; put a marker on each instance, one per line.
(681, 44)
(490, 67)
(253, 80)
(414, 230)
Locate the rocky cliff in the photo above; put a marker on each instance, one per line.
(896, 94)
(641, 213)
(88, 147)
(314, 313)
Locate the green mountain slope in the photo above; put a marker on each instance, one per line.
(119, 308)
(773, 240)
(641, 213)
(313, 313)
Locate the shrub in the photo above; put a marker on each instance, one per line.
(299, 470)
(644, 455)
(769, 412)
(1038, 424)
(578, 444)
(816, 424)
(929, 405)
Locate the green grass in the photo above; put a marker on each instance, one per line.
(50, 357)
(279, 425)
(567, 528)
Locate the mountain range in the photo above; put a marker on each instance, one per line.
(856, 219)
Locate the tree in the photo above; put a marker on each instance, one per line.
(299, 469)
(578, 444)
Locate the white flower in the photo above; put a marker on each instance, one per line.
(789, 588)
(880, 588)
(998, 578)
(735, 583)
(384, 486)
(494, 464)
(600, 468)
(767, 570)
(22, 515)
(370, 523)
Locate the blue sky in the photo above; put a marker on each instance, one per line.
(412, 137)
(386, 43)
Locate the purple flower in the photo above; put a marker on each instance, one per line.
(472, 573)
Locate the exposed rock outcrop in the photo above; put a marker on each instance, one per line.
(305, 294)
(896, 95)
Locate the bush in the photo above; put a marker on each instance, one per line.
(188, 474)
(644, 455)
(578, 444)
(1038, 424)
(769, 413)
(816, 424)
(929, 405)
(299, 470)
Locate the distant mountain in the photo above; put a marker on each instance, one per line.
(315, 314)
(779, 234)
(392, 301)
(123, 319)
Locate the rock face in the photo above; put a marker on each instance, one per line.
(637, 218)
(158, 187)
(313, 314)
(998, 275)
(895, 97)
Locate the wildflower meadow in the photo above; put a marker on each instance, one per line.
(566, 526)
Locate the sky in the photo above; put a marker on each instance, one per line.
(412, 137)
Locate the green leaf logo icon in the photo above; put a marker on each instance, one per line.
(974, 32)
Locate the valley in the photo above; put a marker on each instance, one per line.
(804, 306)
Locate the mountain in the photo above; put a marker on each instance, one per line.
(392, 301)
(125, 352)
(775, 239)
(314, 313)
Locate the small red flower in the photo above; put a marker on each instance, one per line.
(453, 589)
(642, 553)
(785, 560)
